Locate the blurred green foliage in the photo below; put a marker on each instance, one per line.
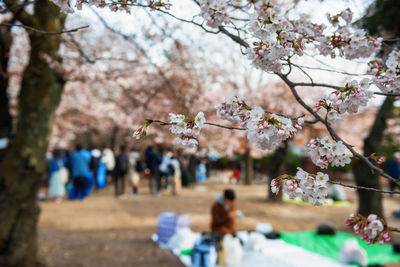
(385, 17)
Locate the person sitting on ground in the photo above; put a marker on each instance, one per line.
(223, 214)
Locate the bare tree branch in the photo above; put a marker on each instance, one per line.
(363, 187)
(29, 28)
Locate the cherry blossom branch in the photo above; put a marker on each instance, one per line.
(393, 229)
(171, 15)
(226, 127)
(331, 70)
(363, 187)
(29, 28)
(292, 86)
(163, 123)
(338, 87)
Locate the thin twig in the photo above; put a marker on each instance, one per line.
(29, 28)
(163, 123)
(338, 87)
(363, 187)
(226, 127)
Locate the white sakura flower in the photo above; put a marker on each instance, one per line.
(372, 233)
(301, 174)
(321, 191)
(376, 225)
(391, 63)
(200, 119)
(358, 35)
(364, 84)
(256, 114)
(372, 217)
(192, 142)
(334, 116)
(321, 178)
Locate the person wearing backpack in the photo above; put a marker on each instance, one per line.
(120, 171)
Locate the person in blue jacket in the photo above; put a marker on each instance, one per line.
(79, 163)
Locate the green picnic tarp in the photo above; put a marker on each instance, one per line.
(329, 246)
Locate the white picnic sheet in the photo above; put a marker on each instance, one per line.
(277, 253)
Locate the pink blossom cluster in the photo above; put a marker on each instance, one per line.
(215, 12)
(372, 229)
(234, 109)
(345, 41)
(324, 151)
(124, 5)
(347, 99)
(142, 131)
(386, 76)
(187, 129)
(310, 187)
(267, 130)
(345, 15)
(348, 43)
(278, 36)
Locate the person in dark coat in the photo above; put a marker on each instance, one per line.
(94, 166)
(223, 214)
(153, 161)
(120, 171)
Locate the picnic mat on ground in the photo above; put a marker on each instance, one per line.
(277, 253)
(329, 246)
(329, 202)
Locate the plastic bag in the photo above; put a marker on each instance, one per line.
(233, 251)
(255, 242)
(351, 252)
(182, 239)
(264, 228)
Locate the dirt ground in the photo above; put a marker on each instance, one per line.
(106, 231)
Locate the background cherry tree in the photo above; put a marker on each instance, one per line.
(274, 38)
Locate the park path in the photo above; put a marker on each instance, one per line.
(106, 231)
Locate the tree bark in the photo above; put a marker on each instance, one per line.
(249, 171)
(5, 116)
(370, 202)
(24, 165)
(276, 167)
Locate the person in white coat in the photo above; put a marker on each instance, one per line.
(109, 160)
(176, 166)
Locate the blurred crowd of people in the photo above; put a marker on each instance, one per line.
(74, 175)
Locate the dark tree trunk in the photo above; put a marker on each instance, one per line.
(113, 138)
(5, 117)
(276, 168)
(24, 166)
(369, 201)
(249, 168)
